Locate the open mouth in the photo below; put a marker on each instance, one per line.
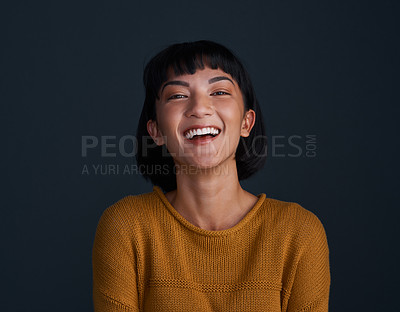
(201, 133)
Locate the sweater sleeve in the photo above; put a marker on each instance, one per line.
(310, 290)
(114, 265)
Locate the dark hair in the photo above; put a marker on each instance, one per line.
(155, 162)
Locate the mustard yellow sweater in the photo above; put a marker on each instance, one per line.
(147, 257)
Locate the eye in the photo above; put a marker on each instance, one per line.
(176, 96)
(220, 93)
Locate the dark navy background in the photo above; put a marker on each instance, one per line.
(328, 69)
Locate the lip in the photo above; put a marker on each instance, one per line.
(202, 140)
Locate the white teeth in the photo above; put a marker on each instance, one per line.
(208, 130)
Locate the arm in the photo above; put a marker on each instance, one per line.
(310, 290)
(114, 266)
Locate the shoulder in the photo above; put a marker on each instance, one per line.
(131, 205)
(126, 212)
(295, 221)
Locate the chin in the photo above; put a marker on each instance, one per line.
(200, 164)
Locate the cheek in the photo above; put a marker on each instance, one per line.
(168, 119)
(231, 113)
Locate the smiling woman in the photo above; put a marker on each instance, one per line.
(199, 240)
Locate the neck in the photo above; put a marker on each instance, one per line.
(211, 199)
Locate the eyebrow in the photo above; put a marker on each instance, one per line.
(175, 82)
(185, 84)
(219, 78)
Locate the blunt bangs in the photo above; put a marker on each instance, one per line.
(187, 58)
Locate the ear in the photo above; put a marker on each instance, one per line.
(248, 122)
(155, 132)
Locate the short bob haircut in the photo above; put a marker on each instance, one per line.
(155, 162)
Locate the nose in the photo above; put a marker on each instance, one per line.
(199, 106)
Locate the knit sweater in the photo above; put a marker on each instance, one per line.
(148, 257)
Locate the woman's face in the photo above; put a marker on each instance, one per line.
(210, 101)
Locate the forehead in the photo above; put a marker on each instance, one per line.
(205, 73)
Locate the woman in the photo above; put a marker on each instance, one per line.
(199, 240)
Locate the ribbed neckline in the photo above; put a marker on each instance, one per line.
(261, 198)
